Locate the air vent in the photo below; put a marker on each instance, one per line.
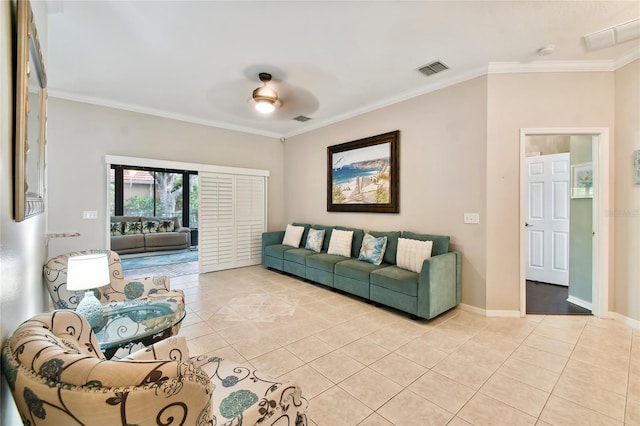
(433, 68)
(302, 118)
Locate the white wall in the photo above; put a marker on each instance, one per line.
(528, 101)
(80, 135)
(22, 253)
(626, 212)
(442, 172)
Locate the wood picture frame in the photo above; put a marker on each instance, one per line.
(363, 175)
(30, 118)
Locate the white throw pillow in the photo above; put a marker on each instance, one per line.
(293, 235)
(340, 243)
(411, 253)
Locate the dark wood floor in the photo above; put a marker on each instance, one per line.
(543, 298)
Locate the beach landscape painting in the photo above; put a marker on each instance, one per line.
(362, 175)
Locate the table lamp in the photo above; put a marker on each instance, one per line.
(87, 272)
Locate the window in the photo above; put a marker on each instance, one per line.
(145, 191)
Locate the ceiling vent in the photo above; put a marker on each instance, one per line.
(613, 35)
(302, 118)
(433, 68)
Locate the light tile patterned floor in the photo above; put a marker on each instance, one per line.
(364, 365)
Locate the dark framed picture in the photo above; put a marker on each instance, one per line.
(363, 175)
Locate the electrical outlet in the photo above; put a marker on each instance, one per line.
(472, 218)
(89, 214)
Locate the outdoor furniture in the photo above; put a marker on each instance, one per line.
(58, 376)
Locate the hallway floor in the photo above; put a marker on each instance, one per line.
(543, 298)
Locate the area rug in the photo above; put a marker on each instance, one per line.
(159, 260)
(258, 308)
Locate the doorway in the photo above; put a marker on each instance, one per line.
(572, 248)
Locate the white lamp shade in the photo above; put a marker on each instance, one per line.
(87, 271)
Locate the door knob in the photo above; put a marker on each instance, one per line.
(527, 224)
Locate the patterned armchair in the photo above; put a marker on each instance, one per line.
(119, 290)
(58, 376)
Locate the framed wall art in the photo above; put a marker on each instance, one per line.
(363, 175)
(582, 180)
(30, 118)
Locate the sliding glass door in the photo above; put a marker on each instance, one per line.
(153, 192)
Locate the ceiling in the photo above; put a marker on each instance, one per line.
(199, 60)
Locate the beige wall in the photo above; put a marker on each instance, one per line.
(527, 101)
(442, 172)
(626, 211)
(80, 135)
(22, 251)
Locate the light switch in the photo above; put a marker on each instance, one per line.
(472, 218)
(89, 214)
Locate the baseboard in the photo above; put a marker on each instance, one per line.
(580, 302)
(626, 320)
(490, 312)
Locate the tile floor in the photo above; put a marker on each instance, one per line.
(364, 365)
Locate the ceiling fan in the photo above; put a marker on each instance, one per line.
(266, 97)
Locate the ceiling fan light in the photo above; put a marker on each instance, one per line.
(265, 107)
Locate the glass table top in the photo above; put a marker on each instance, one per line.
(133, 321)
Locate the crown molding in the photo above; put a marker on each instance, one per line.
(626, 60)
(550, 66)
(158, 113)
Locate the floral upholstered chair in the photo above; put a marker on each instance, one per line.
(119, 290)
(58, 376)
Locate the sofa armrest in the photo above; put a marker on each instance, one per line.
(270, 238)
(183, 229)
(439, 284)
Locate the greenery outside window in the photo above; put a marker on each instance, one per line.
(145, 191)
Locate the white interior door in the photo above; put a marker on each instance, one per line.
(547, 218)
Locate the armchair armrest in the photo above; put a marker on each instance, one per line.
(174, 348)
(122, 289)
(439, 284)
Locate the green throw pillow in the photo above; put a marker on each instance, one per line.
(150, 226)
(132, 228)
(116, 228)
(166, 226)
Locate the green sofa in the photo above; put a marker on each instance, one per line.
(436, 289)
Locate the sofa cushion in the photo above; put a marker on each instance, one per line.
(116, 228)
(315, 238)
(356, 244)
(373, 248)
(324, 262)
(440, 242)
(392, 245)
(162, 239)
(150, 226)
(355, 269)
(166, 225)
(276, 250)
(412, 253)
(298, 255)
(340, 243)
(306, 227)
(132, 228)
(293, 235)
(396, 279)
(327, 235)
(127, 242)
